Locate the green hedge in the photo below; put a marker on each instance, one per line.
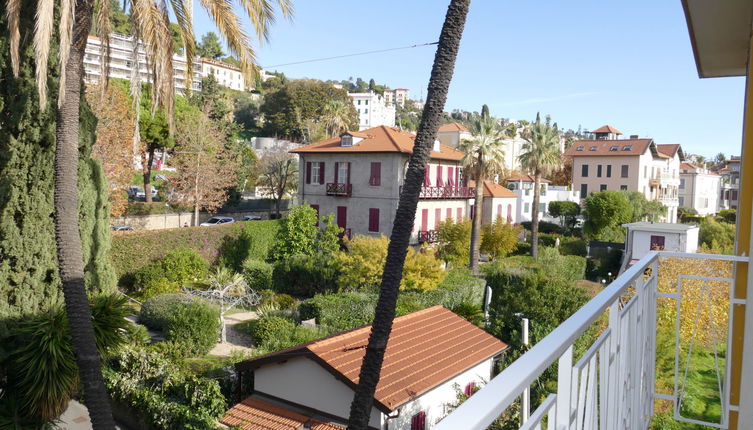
(155, 312)
(273, 333)
(258, 274)
(305, 276)
(234, 242)
(195, 325)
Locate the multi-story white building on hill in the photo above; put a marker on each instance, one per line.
(358, 176)
(728, 195)
(454, 133)
(372, 110)
(226, 74)
(396, 97)
(522, 186)
(609, 163)
(699, 189)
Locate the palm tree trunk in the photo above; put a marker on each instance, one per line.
(67, 234)
(476, 226)
(441, 75)
(148, 174)
(535, 216)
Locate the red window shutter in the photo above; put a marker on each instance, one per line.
(418, 422)
(376, 173)
(308, 172)
(348, 181)
(450, 176)
(427, 181)
(424, 219)
(439, 176)
(469, 388)
(316, 208)
(337, 173)
(449, 213)
(499, 210)
(460, 214)
(321, 173)
(457, 176)
(437, 218)
(374, 220)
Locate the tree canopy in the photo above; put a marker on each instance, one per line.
(605, 212)
(210, 46)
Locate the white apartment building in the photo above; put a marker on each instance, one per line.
(730, 185)
(522, 186)
(372, 110)
(609, 163)
(396, 97)
(358, 177)
(699, 189)
(454, 133)
(122, 64)
(226, 74)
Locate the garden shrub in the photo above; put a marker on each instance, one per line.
(267, 327)
(158, 287)
(285, 301)
(134, 250)
(499, 238)
(273, 333)
(137, 334)
(179, 267)
(258, 274)
(555, 265)
(717, 235)
(340, 311)
(155, 312)
(195, 325)
(266, 296)
(573, 246)
(728, 215)
(523, 248)
(297, 234)
(156, 389)
(454, 239)
(305, 275)
(250, 244)
(549, 239)
(544, 227)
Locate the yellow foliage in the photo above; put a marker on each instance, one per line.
(362, 266)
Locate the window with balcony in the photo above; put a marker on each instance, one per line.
(624, 171)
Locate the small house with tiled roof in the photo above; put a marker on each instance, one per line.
(700, 189)
(453, 134)
(358, 177)
(498, 202)
(634, 164)
(430, 355)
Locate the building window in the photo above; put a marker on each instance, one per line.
(308, 172)
(365, 111)
(366, 102)
(657, 243)
(583, 191)
(624, 172)
(374, 220)
(645, 171)
(527, 207)
(376, 174)
(593, 148)
(603, 187)
(705, 203)
(580, 148)
(623, 187)
(359, 104)
(315, 172)
(418, 422)
(627, 147)
(598, 171)
(542, 208)
(343, 173)
(609, 170)
(460, 213)
(470, 388)
(682, 183)
(681, 201)
(584, 170)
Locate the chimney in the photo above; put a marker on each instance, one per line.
(436, 146)
(633, 136)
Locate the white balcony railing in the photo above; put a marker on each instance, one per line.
(613, 384)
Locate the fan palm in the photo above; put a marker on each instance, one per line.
(150, 23)
(484, 158)
(439, 82)
(336, 115)
(539, 154)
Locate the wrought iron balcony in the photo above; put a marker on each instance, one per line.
(427, 236)
(445, 192)
(664, 306)
(339, 189)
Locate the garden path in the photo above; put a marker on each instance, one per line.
(236, 341)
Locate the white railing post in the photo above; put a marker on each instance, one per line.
(564, 388)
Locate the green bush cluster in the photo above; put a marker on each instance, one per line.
(728, 215)
(523, 248)
(175, 269)
(252, 239)
(258, 274)
(193, 324)
(158, 391)
(545, 227)
(156, 312)
(305, 275)
(273, 333)
(568, 267)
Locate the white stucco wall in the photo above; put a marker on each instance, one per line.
(524, 190)
(492, 206)
(673, 242)
(304, 382)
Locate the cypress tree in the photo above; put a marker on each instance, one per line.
(29, 280)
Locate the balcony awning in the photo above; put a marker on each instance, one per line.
(720, 35)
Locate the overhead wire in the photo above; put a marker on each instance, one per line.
(351, 55)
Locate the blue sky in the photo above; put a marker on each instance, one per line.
(584, 62)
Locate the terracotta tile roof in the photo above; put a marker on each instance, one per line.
(257, 414)
(451, 127)
(518, 177)
(604, 147)
(425, 349)
(687, 166)
(668, 150)
(492, 189)
(378, 139)
(606, 129)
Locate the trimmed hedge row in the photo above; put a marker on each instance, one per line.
(234, 242)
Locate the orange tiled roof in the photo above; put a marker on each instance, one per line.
(607, 129)
(378, 139)
(257, 414)
(518, 177)
(687, 166)
(425, 349)
(451, 127)
(668, 150)
(604, 147)
(492, 189)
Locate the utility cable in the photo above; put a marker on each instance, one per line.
(350, 55)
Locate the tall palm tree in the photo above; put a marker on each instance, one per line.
(439, 82)
(336, 115)
(484, 158)
(150, 22)
(538, 156)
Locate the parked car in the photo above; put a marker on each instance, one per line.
(217, 220)
(137, 193)
(252, 218)
(122, 228)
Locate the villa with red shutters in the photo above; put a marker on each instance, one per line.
(358, 177)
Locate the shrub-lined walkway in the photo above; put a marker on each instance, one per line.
(236, 340)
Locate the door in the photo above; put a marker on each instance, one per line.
(342, 216)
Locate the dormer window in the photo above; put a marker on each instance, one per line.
(627, 147)
(346, 140)
(580, 148)
(614, 148)
(593, 148)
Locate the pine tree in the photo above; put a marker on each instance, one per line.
(29, 279)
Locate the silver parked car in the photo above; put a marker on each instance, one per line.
(217, 220)
(252, 218)
(122, 228)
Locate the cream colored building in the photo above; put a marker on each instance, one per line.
(358, 176)
(634, 164)
(227, 75)
(699, 189)
(396, 97)
(373, 110)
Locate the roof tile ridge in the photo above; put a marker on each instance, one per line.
(388, 132)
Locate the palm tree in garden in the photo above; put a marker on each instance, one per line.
(439, 82)
(484, 158)
(150, 22)
(336, 115)
(538, 156)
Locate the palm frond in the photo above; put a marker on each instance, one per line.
(45, 15)
(135, 90)
(13, 15)
(182, 11)
(67, 11)
(262, 15)
(103, 31)
(237, 40)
